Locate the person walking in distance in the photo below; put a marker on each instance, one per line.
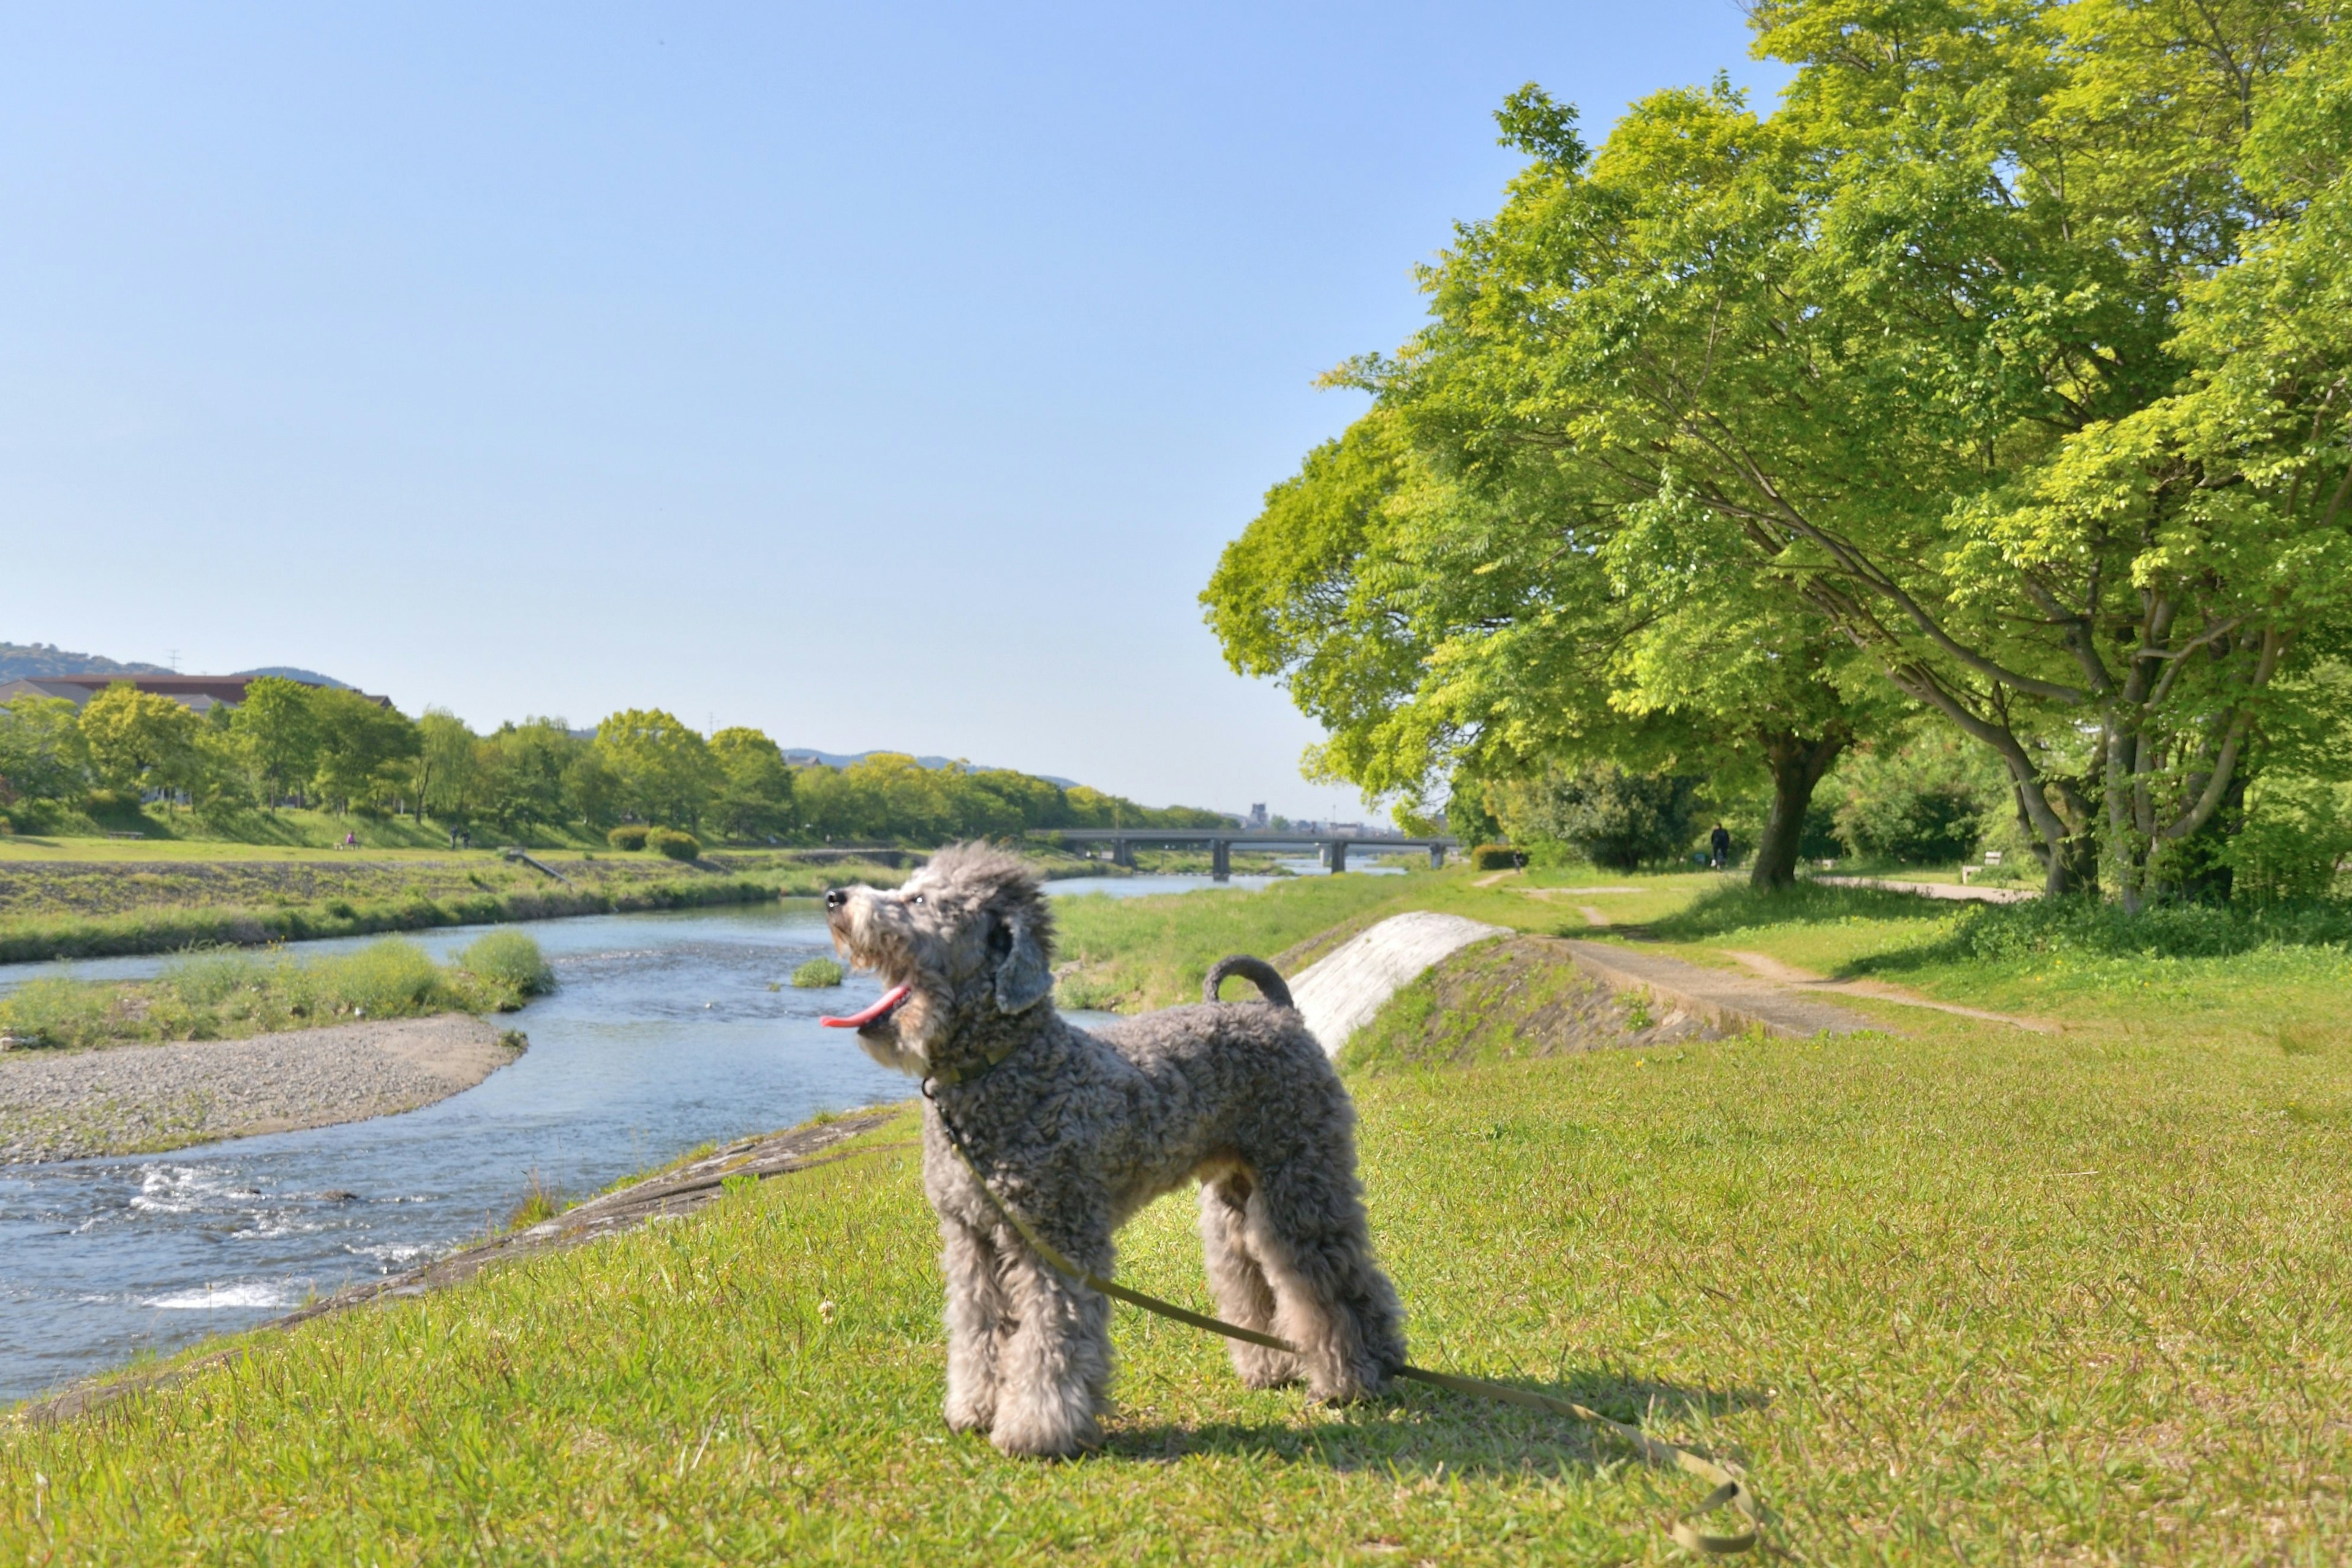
(1718, 843)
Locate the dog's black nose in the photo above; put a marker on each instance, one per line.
(835, 900)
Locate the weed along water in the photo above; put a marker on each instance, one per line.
(665, 1031)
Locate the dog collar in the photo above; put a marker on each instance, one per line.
(965, 1072)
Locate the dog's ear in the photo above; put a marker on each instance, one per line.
(1022, 980)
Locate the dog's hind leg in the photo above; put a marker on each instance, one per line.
(1243, 1295)
(1305, 1225)
(977, 1322)
(1053, 1369)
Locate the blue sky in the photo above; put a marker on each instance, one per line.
(877, 376)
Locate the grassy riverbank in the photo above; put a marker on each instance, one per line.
(122, 904)
(228, 995)
(1965, 1293)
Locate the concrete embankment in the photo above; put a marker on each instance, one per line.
(142, 1099)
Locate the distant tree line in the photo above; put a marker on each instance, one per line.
(293, 745)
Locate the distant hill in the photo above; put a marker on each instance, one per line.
(30, 661)
(802, 755)
(308, 676)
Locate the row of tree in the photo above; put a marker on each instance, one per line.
(293, 744)
(1993, 388)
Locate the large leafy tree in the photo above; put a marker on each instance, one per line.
(2010, 348)
(755, 794)
(361, 745)
(278, 735)
(664, 769)
(1447, 633)
(138, 740)
(41, 751)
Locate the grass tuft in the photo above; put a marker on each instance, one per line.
(817, 973)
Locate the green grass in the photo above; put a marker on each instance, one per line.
(1962, 1299)
(230, 994)
(1966, 1294)
(817, 973)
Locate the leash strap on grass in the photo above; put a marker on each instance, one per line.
(1731, 1491)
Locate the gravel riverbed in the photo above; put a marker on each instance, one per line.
(133, 1100)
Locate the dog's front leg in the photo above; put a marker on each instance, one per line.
(977, 1322)
(1052, 1372)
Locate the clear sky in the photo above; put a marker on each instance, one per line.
(878, 375)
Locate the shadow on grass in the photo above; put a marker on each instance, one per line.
(1422, 1430)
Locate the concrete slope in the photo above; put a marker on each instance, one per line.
(1339, 993)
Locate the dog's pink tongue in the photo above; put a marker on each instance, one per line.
(890, 998)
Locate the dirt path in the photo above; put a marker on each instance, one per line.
(139, 1099)
(1937, 890)
(1788, 975)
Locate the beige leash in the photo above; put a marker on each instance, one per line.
(1730, 1489)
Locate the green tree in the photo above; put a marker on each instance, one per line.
(361, 745)
(446, 775)
(1447, 638)
(41, 753)
(664, 769)
(278, 734)
(2010, 347)
(755, 791)
(138, 740)
(523, 772)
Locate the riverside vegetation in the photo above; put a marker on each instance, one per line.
(1952, 1291)
(229, 995)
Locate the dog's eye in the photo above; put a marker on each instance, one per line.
(914, 898)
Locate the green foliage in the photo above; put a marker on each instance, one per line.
(275, 729)
(508, 958)
(1494, 857)
(136, 740)
(1998, 371)
(363, 744)
(755, 792)
(817, 973)
(1927, 801)
(628, 836)
(665, 770)
(677, 846)
(228, 994)
(1605, 814)
(41, 750)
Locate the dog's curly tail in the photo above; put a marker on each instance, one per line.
(1256, 971)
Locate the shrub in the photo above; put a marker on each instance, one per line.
(1921, 804)
(510, 959)
(1494, 857)
(632, 837)
(816, 972)
(677, 846)
(1610, 817)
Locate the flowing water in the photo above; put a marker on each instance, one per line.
(665, 1031)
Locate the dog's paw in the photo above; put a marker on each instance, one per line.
(969, 1415)
(1042, 1440)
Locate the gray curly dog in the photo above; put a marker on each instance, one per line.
(1078, 1129)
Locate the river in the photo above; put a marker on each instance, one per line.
(665, 1031)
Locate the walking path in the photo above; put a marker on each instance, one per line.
(1732, 1002)
(1789, 974)
(1938, 890)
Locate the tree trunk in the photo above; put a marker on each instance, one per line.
(1798, 764)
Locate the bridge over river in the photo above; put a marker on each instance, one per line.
(1331, 848)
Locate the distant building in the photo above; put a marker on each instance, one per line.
(200, 692)
(1256, 815)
